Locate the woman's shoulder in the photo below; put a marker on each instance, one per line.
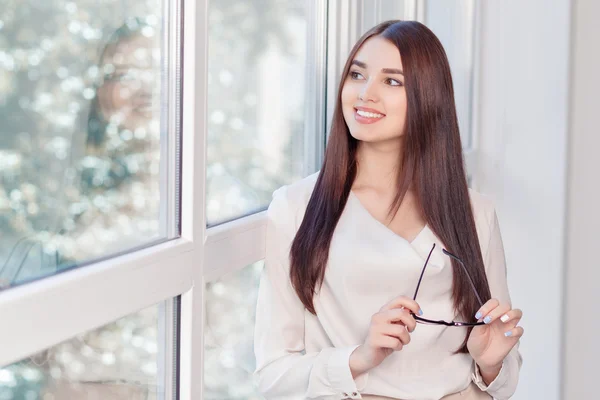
(484, 210)
(289, 201)
(481, 202)
(297, 192)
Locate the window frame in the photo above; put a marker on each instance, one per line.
(71, 302)
(67, 304)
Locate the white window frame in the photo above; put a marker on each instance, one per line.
(46, 312)
(43, 313)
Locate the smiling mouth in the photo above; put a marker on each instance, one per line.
(365, 117)
(145, 108)
(371, 114)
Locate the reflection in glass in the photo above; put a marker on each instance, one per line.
(229, 360)
(256, 103)
(119, 361)
(80, 142)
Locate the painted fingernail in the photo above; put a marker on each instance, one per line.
(420, 312)
(478, 315)
(504, 318)
(487, 319)
(509, 333)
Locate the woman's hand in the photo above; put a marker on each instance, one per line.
(388, 332)
(489, 344)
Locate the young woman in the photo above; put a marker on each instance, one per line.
(385, 275)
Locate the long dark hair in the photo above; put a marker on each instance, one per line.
(432, 164)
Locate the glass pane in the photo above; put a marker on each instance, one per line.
(126, 360)
(229, 360)
(453, 22)
(80, 138)
(256, 107)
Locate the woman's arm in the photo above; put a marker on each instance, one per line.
(505, 383)
(283, 368)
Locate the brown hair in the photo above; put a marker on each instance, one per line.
(432, 164)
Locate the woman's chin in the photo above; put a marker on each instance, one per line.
(366, 135)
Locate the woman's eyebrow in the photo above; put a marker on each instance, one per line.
(384, 70)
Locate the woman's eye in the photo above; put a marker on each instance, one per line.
(128, 76)
(394, 82)
(114, 77)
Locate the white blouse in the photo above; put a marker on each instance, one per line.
(302, 356)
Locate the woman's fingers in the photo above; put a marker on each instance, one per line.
(405, 302)
(389, 342)
(493, 310)
(496, 313)
(512, 317)
(397, 331)
(515, 332)
(486, 308)
(402, 316)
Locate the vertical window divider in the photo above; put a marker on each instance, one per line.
(315, 106)
(193, 194)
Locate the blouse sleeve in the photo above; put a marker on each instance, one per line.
(283, 368)
(505, 384)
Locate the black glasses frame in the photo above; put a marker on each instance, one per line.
(441, 322)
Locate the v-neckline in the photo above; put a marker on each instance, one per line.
(385, 227)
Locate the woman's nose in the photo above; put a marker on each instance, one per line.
(148, 84)
(367, 92)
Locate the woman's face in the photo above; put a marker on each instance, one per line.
(373, 95)
(130, 91)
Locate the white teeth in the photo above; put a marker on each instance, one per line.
(368, 114)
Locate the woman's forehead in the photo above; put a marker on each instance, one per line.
(137, 51)
(378, 53)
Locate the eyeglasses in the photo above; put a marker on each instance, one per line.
(441, 322)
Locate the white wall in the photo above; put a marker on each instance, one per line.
(521, 138)
(582, 326)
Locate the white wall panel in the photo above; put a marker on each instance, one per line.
(522, 161)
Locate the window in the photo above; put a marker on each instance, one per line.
(229, 360)
(83, 139)
(122, 360)
(259, 98)
(90, 96)
(262, 136)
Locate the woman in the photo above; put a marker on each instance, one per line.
(370, 260)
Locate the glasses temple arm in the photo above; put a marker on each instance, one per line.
(466, 272)
(423, 272)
